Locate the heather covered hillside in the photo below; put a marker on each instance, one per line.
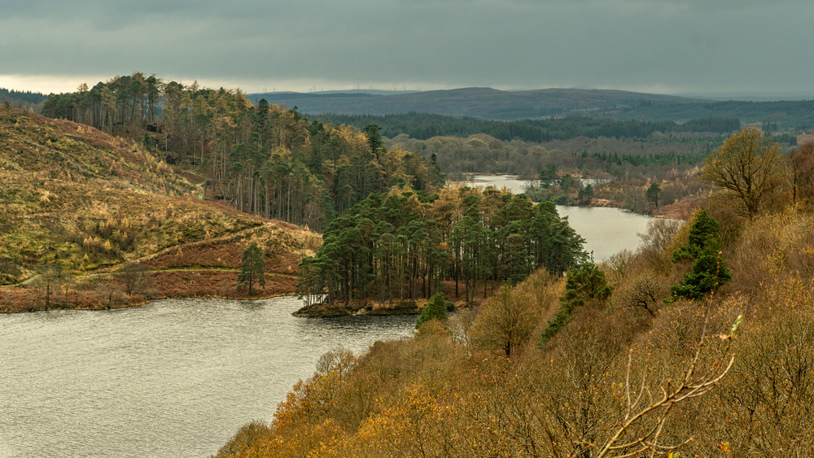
(77, 203)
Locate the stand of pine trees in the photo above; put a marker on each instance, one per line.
(401, 247)
(264, 159)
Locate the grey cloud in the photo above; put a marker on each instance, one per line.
(625, 44)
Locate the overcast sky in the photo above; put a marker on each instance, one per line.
(664, 46)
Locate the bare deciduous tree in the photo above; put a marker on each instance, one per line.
(639, 431)
(748, 164)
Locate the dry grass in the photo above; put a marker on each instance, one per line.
(78, 198)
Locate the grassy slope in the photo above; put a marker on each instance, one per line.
(89, 202)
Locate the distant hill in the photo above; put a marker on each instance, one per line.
(85, 202)
(485, 103)
(475, 102)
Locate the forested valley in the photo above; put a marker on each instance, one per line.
(273, 162)
(699, 343)
(264, 159)
(423, 126)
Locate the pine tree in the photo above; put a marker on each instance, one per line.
(435, 309)
(709, 269)
(582, 285)
(252, 269)
(653, 193)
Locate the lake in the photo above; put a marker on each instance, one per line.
(606, 230)
(175, 378)
(178, 377)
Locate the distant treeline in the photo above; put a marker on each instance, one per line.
(22, 100)
(27, 96)
(261, 159)
(482, 154)
(401, 247)
(783, 115)
(423, 126)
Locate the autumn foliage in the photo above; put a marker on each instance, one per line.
(727, 372)
(78, 206)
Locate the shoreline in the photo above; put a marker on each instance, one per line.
(103, 292)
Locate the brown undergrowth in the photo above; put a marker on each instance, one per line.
(78, 205)
(626, 376)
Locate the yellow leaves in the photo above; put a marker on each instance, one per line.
(747, 165)
(732, 330)
(45, 196)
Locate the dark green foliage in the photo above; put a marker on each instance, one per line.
(709, 269)
(390, 249)
(22, 100)
(263, 160)
(252, 269)
(423, 126)
(548, 175)
(585, 283)
(566, 183)
(653, 193)
(582, 285)
(708, 272)
(436, 309)
(703, 236)
(585, 195)
(374, 139)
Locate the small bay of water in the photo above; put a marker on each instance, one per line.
(606, 230)
(175, 378)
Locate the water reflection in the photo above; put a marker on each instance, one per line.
(172, 379)
(606, 230)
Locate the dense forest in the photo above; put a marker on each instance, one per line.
(479, 102)
(601, 157)
(485, 103)
(262, 159)
(423, 126)
(24, 100)
(402, 247)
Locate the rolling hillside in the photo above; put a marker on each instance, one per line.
(474, 102)
(84, 203)
(493, 104)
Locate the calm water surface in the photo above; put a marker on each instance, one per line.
(176, 378)
(606, 230)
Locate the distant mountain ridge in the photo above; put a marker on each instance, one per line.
(487, 103)
(476, 102)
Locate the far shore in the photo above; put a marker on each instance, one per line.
(103, 292)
